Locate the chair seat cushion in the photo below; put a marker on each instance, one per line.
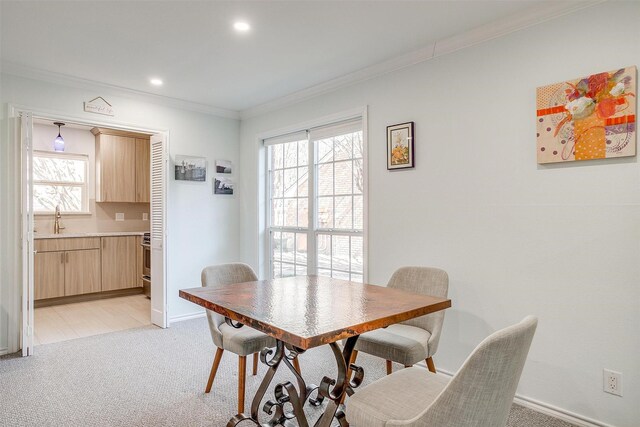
(401, 343)
(400, 396)
(244, 341)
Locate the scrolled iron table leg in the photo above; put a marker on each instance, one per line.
(333, 390)
(286, 393)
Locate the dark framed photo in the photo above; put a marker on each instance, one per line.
(400, 146)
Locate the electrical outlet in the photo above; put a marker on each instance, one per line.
(612, 382)
(145, 216)
(119, 216)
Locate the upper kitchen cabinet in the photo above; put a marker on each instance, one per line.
(122, 166)
(143, 170)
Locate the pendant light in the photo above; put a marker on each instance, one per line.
(58, 143)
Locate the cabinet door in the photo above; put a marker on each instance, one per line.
(116, 156)
(118, 262)
(82, 272)
(48, 275)
(143, 170)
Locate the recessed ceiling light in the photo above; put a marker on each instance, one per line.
(156, 82)
(241, 26)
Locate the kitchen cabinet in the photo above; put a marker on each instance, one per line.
(48, 280)
(122, 166)
(66, 267)
(82, 272)
(143, 170)
(119, 263)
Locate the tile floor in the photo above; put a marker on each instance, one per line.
(83, 319)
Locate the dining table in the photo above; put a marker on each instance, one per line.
(301, 313)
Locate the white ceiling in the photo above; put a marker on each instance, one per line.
(293, 45)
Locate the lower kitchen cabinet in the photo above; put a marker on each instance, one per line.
(48, 275)
(119, 263)
(67, 267)
(66, 273)
(82, 272)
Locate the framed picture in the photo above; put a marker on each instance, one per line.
(191, 168)
(222, 185)
(400, 146)
(587, 118)
(224, 166)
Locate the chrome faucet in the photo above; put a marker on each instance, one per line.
(56, 224)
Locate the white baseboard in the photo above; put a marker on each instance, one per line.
(554, 411)
(545, 408)
(188, 316)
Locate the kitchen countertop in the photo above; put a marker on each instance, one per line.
(64, 235)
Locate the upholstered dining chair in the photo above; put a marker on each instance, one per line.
(414, 340)
(479, 395)
(243, 341)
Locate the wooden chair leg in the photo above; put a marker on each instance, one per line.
(430, 365)
(354, 356)
(255, 363)
(296, 364)
(242, 372)
(214, 369)
(389, 367)
(408, 366)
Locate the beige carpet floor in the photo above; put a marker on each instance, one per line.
(150, 377)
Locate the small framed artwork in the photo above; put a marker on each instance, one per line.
(190, 168)
(400, 146)
(222, 185)
(224, 166)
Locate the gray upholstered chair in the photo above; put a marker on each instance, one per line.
(243, 341)
(479, 395)
(414, 340)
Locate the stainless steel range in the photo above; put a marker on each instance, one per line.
(146, 264)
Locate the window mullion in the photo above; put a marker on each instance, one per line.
(312, 247)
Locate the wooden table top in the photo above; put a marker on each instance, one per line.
(308, 311)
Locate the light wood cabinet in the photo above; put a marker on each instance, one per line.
(143, 170)
(122, 166)
(68, 244)
(118, 263)
(66, 273)
(82, 272)
(48, 275)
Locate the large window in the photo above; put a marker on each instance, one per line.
(316, 202)
(59, 180)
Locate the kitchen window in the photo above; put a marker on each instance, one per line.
(60, 179)
(316, 202)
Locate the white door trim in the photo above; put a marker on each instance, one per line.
(26, 232)
(15, 110)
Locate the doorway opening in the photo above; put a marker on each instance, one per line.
(94, 228)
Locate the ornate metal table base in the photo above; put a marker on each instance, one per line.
(289, 401)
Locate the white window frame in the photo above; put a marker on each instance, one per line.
(84, 187)
(312, 230)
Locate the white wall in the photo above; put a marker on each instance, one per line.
(559, 241)
(202, 228)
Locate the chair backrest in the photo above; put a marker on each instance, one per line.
(426, 281)
(481, 393)
(221, 275)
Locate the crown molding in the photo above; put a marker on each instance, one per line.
(496, 29)
(11, 68)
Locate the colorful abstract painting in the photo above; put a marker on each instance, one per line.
(587, 118)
